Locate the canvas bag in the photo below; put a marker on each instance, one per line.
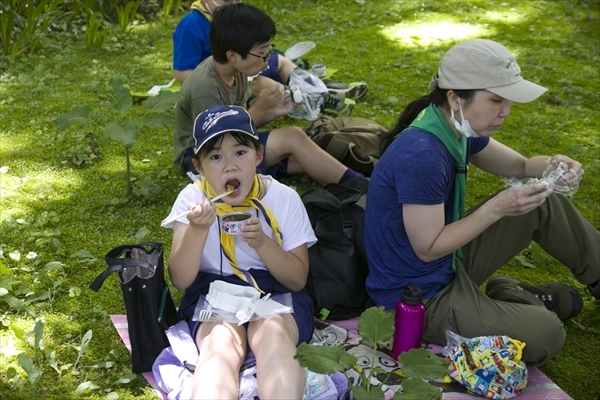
(489, 366)
(337, 262)
(148, 302)
(353, 141)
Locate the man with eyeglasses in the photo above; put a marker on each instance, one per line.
(240, 38)
(191, 46)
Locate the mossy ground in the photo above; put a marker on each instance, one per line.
(392, 45)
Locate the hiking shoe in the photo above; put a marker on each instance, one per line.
(336, 106)
(301, 63)
(354, 90)
(595, 291)
(563, 300)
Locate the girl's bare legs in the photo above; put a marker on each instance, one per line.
(273, 342)
(222, 351)
(305, 155)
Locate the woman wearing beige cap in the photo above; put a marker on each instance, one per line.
(416, 230)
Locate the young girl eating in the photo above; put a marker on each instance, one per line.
(270, 253)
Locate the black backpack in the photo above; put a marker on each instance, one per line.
(337, 262)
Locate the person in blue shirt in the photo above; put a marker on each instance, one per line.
(416, 230)
(191, 43)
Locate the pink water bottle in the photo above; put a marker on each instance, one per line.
(408, 322)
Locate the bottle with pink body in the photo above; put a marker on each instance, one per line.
(408, 321)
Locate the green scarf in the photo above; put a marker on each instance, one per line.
(252, 201)
(432, 120)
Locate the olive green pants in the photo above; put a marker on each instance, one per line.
(463, 308)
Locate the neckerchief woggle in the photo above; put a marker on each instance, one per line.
(432, 120)
(197, 5)
(251, 201)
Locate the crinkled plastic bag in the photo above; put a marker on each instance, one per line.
(313, 92)
(452, 340)
(557, 177)
(299, 49)
(489, 366)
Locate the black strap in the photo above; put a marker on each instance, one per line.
(347, 217)
(461, 170)
(116, 263)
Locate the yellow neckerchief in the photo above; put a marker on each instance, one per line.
(197, 5)
(252, 200)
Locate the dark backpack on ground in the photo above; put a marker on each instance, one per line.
(353, 141)
(337, 262)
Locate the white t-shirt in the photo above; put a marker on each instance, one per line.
(284, 203)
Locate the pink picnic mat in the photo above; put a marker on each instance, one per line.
(539, 386)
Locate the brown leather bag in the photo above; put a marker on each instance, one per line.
(353, 141)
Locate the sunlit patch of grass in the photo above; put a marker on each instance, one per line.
(424, 34)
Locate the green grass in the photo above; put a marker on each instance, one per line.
(392, 45)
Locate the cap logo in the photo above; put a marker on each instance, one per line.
(212, 118)
(513, 63)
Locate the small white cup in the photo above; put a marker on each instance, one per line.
(232, 223)
(319, 70)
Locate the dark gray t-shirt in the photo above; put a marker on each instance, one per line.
(202, 90)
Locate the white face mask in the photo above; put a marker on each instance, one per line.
(464, 129)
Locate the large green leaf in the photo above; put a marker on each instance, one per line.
(87, 385)
(78, 114)
(324, 359)
(125, 133)
(158, 121)
(123, 97)
(420, 363)
(374, 393)
(165, 100)
(33, 372)
(53, 265)
(13, 302)
(417, 389)
(39, 331)
(376, 325)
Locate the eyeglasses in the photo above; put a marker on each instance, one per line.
(269, 53)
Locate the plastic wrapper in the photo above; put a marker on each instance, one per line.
(558, 177)
(299, 49)
(489, 366)
(452, 340)
(219, 315)
(313, 92)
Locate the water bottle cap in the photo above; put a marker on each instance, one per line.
(411, 294)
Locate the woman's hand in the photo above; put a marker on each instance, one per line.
(517, 200)
(202, 215)
(252, 233)
(575, 173)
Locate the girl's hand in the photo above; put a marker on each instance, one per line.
(203, 215)
(252, 233)
(518, 200)
(573, 177)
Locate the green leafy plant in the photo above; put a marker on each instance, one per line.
(126, 13)
(33, 368)
(125, 129)
(377, 327)
(168, 7)
(95, 35)
(21, 23)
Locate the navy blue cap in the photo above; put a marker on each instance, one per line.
(221, 119)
